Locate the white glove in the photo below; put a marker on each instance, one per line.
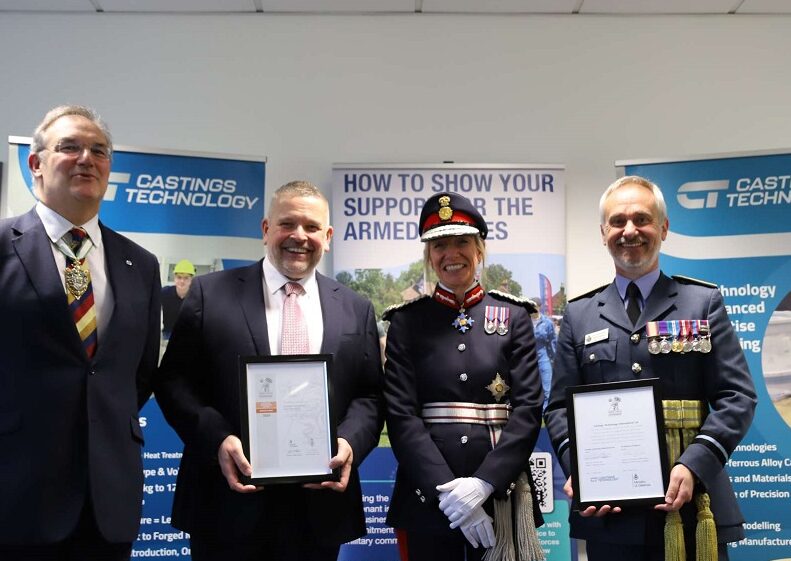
(459, 497)
(478, 528)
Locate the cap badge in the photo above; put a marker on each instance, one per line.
(445, 212)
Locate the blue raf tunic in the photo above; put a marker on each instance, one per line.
(720, 379)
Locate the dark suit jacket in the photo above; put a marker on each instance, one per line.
(68, 425)
(720, 379)
(222, 318)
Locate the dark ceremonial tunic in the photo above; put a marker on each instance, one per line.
(720, 379)
(429, 360)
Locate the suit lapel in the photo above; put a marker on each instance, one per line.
(612, 309)
(34, 250)
(251, 300)
(119, 267)
(331, 314)
(660, 301)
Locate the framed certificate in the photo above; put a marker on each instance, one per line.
(617, 440)
(288, 422)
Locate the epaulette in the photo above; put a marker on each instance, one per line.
(388, 313)
(690, 280)
(591, 293)
(526, 303)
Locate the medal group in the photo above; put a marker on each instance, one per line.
(679, 336)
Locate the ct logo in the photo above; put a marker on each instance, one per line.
(707, 190)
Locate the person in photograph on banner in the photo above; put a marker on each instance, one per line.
(278, 305)
(463, 397)
(81, 305)
(648, 325)
(546, 341)
(173, 296)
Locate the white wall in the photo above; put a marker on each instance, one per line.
(307, 91)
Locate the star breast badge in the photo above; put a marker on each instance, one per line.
(498, 387)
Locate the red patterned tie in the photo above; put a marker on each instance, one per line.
(293, 329)
(79, 292)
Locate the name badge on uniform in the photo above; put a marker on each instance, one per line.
(597, 336)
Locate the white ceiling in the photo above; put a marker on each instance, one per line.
(406, 6)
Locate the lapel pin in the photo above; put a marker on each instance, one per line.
(128, 262)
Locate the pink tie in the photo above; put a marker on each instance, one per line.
(294, 330)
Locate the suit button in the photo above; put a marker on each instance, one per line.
(461, 347)
(93, 372)
(464, 439)
(512, 485)
(636, 368)
(463, 376)
(635, 338)
(508, 492)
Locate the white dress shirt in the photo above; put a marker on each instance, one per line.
(56, 226)
(309, 303)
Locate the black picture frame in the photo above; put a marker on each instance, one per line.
(605, 448)
(270, 413)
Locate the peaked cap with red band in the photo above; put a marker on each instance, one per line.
(450, 214)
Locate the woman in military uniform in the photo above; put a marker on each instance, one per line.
(463, 403)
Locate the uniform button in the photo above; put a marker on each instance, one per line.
(422, 499)
(464, 439)
(417, 492)
(591, 357)
(636, 368)
(93, 372)
(462, 346)
(463, 376)
(635, 338)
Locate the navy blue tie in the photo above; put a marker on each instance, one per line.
(633, 302)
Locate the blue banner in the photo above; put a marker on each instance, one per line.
(730, 223)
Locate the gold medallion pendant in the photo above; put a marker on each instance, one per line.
(77, 280)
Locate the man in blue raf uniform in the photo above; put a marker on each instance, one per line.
(648, 325)
(464, 403)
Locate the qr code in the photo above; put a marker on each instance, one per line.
(541, 469)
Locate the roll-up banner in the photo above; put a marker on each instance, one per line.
(377, 251)
(730, 224)
(179, 205)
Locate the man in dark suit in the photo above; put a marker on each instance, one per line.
(609, 335)
(239, 312)
(79, 345)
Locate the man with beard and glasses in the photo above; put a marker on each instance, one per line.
(246, 312)
(648, 325)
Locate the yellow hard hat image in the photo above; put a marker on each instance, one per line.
(184, 267)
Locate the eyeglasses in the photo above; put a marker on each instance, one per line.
(72, 148)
